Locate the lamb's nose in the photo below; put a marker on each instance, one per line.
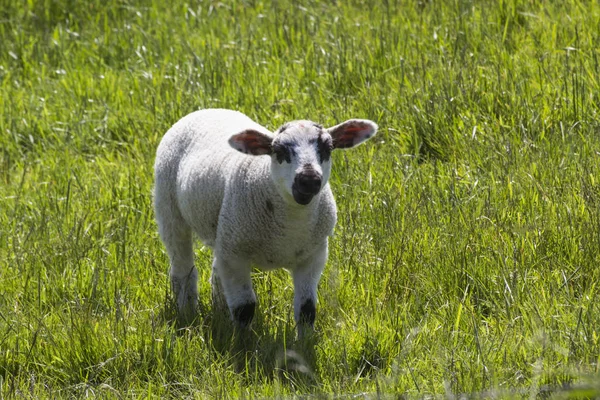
(308, 181)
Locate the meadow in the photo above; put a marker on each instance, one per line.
(465, 259)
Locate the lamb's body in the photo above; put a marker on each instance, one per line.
(229, 199)
(237, 206)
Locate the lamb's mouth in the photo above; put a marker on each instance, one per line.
(300, 197)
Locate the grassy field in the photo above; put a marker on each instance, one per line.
(466, 257)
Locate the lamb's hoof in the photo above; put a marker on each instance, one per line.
(306, 332)
(186, 295)
(244, 314)
(187, 315)
(187, 309)
(308, 313)
(306, 320)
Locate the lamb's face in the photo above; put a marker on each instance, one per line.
(301, 153)
(301, 159)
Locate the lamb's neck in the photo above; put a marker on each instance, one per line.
(304, 213)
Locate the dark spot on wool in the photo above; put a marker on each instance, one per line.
(299, 253)
(270, 206)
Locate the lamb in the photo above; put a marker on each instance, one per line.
(255, 197)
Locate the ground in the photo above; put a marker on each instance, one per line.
(466, 255)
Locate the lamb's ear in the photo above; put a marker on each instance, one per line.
(352, 133)
(252, 142)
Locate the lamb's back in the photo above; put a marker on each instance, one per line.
(205, 163)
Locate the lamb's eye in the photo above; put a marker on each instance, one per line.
(325, 145)
(283, 153)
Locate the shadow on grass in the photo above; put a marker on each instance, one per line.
(262, 352)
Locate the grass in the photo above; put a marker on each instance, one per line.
(466, 254)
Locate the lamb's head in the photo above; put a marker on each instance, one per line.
(301, 153)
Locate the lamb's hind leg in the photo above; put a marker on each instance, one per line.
(177, 237)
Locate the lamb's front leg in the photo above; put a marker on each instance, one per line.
(306, 279)
(234, 277)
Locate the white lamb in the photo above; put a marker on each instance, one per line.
(271, 207)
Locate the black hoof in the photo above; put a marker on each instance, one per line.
(308, 312)
(243, 314)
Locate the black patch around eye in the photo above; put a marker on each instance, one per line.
(283, 153)
(283, 127)
(325, 145)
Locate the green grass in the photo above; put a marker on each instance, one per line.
(466, 255)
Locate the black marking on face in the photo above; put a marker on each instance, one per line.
(244, 314)
(270, 206)
(284, 127)
(308, 313)
(324, 148)
(283, 152)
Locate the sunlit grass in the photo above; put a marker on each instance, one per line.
(466, 254)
